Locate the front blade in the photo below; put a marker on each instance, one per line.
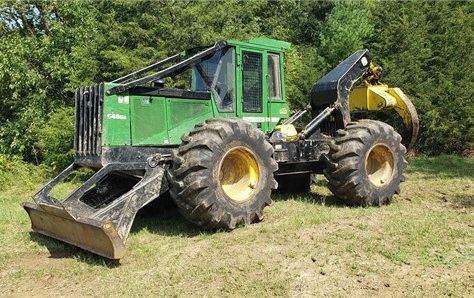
(98, 237)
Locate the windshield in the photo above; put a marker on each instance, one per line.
(217, 75)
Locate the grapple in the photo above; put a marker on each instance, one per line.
(335, 89)
(383, 97)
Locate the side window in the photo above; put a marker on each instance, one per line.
(252, 82)
(274, 78)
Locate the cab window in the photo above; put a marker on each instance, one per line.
(274, 78)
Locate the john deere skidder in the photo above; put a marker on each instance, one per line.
(211, 126)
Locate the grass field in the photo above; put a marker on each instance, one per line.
(308, 245)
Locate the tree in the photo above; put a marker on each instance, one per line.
(345, 30)
(36, 71)
(449, 121)
(49, 48)
(424, 48)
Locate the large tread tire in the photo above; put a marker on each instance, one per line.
(223, 174)
(365, 163)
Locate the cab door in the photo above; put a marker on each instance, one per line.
(261, 100)
(252, 95)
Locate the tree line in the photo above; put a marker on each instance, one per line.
(49, 48)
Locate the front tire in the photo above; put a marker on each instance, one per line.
(365, 163)
(223, 174)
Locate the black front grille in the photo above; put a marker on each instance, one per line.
(89, 104)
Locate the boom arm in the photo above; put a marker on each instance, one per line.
(167, 71)
(335, 86)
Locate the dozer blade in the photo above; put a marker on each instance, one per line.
(98, 237)
(98, 215)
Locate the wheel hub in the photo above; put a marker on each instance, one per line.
(239, 174)
(379, 165)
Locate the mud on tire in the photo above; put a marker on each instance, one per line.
(365, 163)
(223, 174)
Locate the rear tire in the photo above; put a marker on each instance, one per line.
(365, 163)
(223, 174)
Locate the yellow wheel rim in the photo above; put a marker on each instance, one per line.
(239, 174)
(379, 165)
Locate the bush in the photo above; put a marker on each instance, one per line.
(14, 171)
(56, 139)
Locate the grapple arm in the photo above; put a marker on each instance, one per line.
(382, 97)
(336, 89)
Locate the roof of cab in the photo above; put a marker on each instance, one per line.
(263, 42)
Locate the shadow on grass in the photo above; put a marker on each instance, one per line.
(310, 197)
(162, 217)
(446, 166)
(315, 196)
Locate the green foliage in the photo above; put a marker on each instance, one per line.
(49, 48)
(303, 66)
(56, 139)
(345, 30)
(35, 68)
(15, 173)
(430, 57)
(450, 120)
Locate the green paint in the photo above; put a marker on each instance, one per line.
(231, 77)
(116, 119)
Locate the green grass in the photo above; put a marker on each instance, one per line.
(308, 245)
